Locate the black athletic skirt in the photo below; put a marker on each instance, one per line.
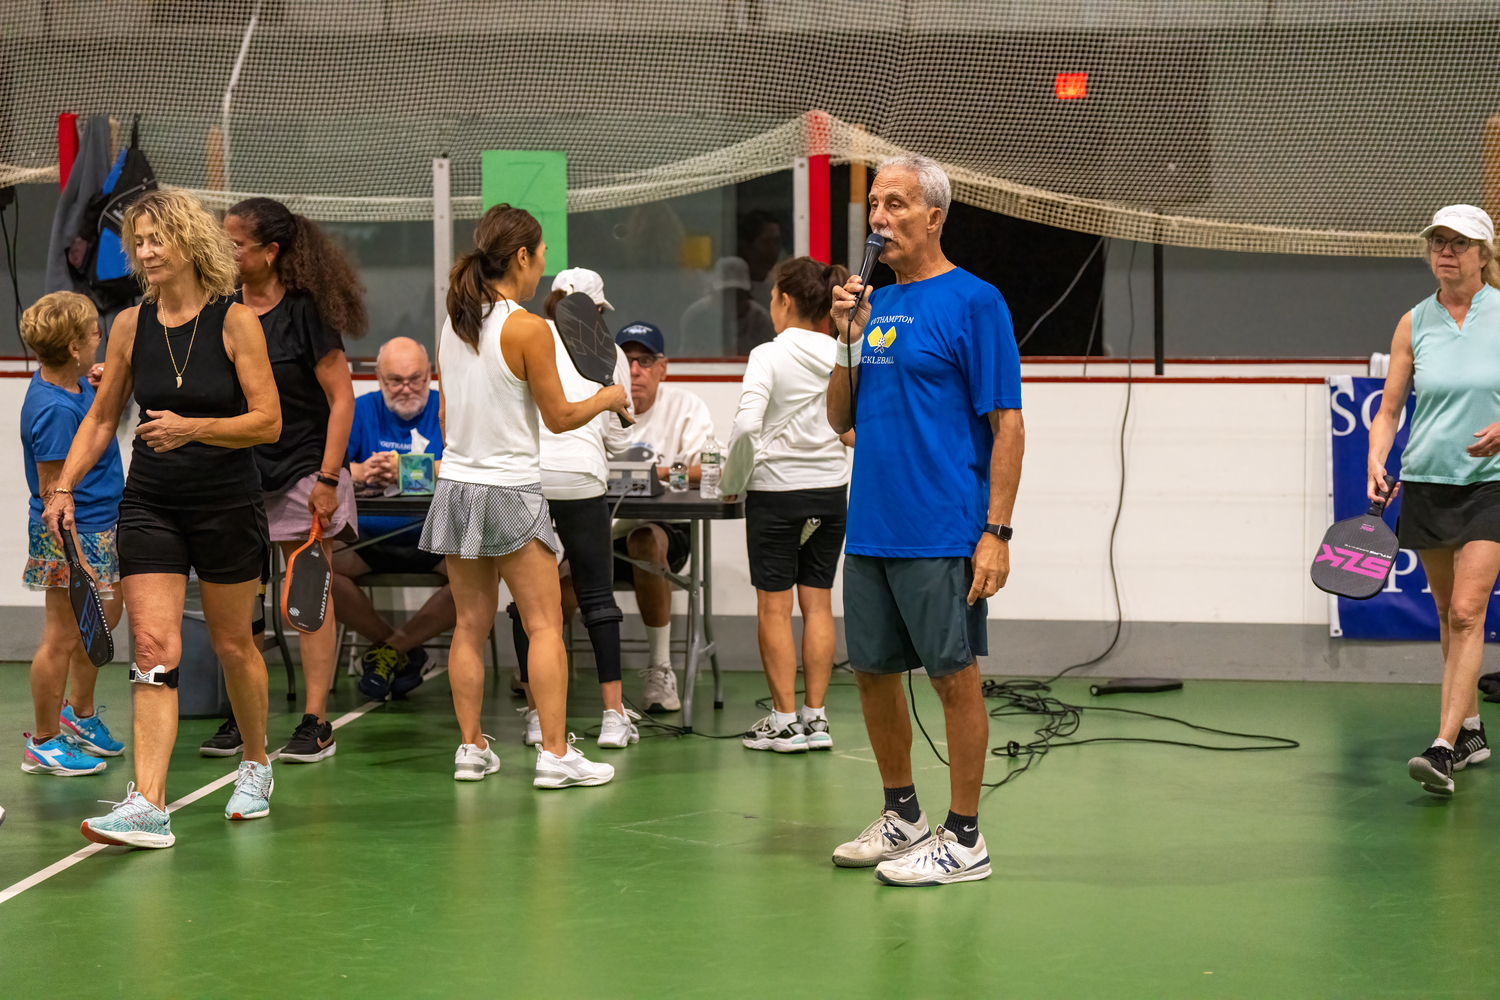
(1439, 516)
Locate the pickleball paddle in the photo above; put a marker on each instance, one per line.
(304, 594)
(588, 341)
(1357, 552)
(87, 608)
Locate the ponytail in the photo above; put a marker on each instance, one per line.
(810, 284)
(500, 234)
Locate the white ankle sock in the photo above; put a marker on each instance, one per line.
(1473, 723)
(1440, 742)
(659, 638)
(782, 719)
(809, 712)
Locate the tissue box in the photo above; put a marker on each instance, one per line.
(417, 474)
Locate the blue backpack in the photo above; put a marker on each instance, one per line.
(105, 266)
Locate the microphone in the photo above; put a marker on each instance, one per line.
(873, 246)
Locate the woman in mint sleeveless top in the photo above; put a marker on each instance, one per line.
(1449, 346)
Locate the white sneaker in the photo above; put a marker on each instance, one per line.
(472, 763)
(618, 731)
(659, 690)
(766, 735)
(888, 837)
(942, 859)
(572, 768)
(533, 735)
(818, 735)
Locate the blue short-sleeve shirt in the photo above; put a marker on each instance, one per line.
(50, 416)
(939, 356)
(376, 428)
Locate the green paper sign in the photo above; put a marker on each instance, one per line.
(536, 180)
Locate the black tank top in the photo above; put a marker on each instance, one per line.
(196, 476)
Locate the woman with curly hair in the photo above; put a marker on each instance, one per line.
(308, 297)
(196, 363)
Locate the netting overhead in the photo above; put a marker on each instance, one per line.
(1317, 126)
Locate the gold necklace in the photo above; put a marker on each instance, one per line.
(186, 357)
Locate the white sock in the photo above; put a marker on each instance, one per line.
(809, 713)
(659, 638)
(782, 719)
(1442, 743)
(1473, 723)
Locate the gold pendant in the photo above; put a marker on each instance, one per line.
(179, 381)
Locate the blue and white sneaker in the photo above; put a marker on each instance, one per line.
(62, 754)
(91, 732)
(132, 823)
(938, 861)
(253, 786)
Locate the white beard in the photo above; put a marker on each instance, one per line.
(404, 409)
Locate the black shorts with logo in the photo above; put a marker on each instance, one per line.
(774, 526)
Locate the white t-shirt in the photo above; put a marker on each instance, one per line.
(575, 464)
(491, 423)
(677, 426)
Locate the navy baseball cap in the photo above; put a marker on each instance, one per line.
(645, 334)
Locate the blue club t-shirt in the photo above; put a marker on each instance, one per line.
(939, 356)
(49, 420)
(376, 428)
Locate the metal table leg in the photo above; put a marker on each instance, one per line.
(711, 647)
(695, 622)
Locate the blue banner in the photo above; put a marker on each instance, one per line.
(1404, 608)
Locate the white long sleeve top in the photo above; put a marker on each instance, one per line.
(782, 439)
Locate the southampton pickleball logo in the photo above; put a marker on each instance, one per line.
(881, 340)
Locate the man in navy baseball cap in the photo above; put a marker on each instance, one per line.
(645, 334)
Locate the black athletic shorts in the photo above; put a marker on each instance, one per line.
(223, 546)
(679, 547)
(1439, 516)
(400, 554)
(774, 525)
(901, 614)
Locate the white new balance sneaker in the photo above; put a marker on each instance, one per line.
(659, 689)
(572, 768)
(766, 735)
(533, 737)
(471, 763)
(938, 861)
(888, 837)
(618, 731)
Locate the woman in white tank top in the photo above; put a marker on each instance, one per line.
(497, 374)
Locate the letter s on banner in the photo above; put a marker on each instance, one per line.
(1337, 388)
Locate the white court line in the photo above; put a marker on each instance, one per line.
(186, 800)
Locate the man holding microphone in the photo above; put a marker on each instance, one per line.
(929, 369)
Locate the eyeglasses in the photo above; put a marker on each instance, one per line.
(644, 360)
(410, 384)
(1460, 244)
(240, 248)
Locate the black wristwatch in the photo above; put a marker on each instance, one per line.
(1000, 531)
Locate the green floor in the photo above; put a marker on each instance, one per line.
(702, 871)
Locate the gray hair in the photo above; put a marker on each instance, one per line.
(937, 192)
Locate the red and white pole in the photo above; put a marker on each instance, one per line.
(811, 211)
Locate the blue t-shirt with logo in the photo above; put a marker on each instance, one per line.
(939, 356)
(50, 416)
(376, 428)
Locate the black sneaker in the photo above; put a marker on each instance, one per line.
(1489, 685)
(410, 676)
(1434, 769)
(224, 743)
(1471, 748)
(380, 663)
(311, 741)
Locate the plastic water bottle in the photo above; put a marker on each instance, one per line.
(712, 464)
(677, 477)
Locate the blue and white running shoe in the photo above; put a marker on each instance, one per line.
(253, 786)
(62, 754)
(91, 732)
(132, 823)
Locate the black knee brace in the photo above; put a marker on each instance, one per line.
(519, 641)
(157, 676)
(603, 625)
(602, 616)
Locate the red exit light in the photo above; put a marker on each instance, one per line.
(1072, 86)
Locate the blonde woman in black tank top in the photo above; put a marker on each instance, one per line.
(197, 366)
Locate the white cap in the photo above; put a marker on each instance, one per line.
(581, 279)
(1465, 220)
(731, 272)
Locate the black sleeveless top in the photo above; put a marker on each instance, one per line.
(196, 476)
